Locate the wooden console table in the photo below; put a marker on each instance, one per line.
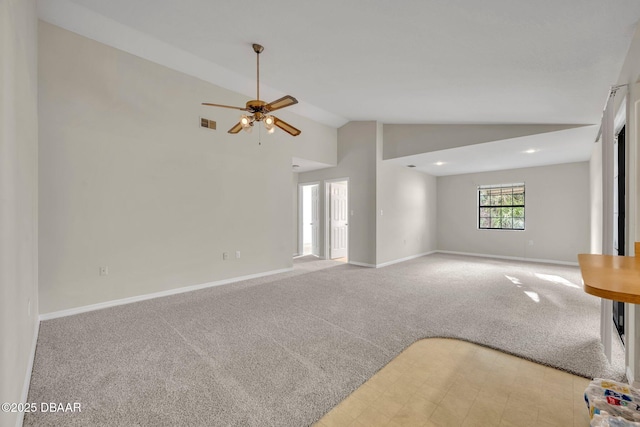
(614, 278)
(611, 277)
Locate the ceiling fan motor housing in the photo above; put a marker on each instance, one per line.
(258, 108)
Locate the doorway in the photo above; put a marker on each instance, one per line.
(338, 219)
(309, 219)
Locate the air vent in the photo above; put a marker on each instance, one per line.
(206, 123)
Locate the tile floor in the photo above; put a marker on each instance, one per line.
(445, 382)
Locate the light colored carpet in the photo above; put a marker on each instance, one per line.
(285, 349)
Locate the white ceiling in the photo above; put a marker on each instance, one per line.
(410, 61)
(566, 146)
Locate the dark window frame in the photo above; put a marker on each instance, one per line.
(504, 195)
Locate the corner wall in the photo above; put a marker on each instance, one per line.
(406, 210)
(356, 161)
(392, 208)
(549, 190)
(18, 200)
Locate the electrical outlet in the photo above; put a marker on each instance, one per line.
(104, 271)
(237, 254)
(225, 255)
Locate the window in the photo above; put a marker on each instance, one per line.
(501, 207)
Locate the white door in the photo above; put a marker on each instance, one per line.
(315, 220)
(339, 224)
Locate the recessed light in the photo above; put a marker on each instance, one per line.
(531, 151)
(411, 166)
(439, 163)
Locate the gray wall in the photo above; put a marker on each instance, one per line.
(406, 209)
(408, 201)
(129, 180)
(18, 198)
(557, 214)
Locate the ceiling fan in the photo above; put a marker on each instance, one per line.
(260, 110)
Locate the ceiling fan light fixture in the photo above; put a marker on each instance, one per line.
(245, 121)
(269, 124)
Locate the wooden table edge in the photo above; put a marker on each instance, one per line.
(600, 291)
(612, 295)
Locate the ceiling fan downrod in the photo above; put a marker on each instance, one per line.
(258, 50)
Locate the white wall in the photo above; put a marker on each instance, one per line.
(595, 194)
(557, 214)
(129, 180)
(294, 221)
(18, 199)
(317, 143)
(307, 216)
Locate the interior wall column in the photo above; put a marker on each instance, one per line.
(632, 311)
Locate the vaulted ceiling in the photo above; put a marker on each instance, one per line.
(410, 61)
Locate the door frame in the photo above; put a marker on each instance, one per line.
(300, 250)
(327, 216)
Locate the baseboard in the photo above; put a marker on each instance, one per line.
(395, 261)
(512, 258)
(27, 378)
(123, 301)
(384, 264)
(361, 264)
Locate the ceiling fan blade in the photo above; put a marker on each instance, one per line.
(225, 106)
(237, 128)
(286, 127)
(285, 101)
